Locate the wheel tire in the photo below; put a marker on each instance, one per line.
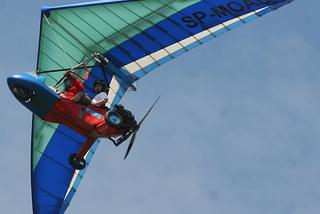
(114, 119)
(76, 163)
(22, 93)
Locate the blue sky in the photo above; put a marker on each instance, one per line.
(236, 129)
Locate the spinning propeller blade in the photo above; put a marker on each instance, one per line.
(148, 112)
(137, 127)
(131, 143)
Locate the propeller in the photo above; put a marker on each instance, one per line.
(136, 129)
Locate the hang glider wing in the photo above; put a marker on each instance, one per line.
(54, 181)
(136, 37)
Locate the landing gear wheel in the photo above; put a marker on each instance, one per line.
(77, 163)
(114, 119)
(22, 93)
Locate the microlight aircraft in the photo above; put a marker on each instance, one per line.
(130, 39)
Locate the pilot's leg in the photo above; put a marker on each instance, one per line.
(76, 98)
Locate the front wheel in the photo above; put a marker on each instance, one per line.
(76, 163)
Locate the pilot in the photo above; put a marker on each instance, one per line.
(101, 89)
(73, 88)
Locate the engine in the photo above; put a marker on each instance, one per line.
(121, 118)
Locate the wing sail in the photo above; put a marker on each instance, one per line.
(54, 181)
(136, 37)
(184, 30)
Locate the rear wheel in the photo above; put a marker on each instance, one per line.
(77, 163)
(22, 93)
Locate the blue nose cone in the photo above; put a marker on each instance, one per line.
(31, 92)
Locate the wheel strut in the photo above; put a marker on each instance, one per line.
(76, 160)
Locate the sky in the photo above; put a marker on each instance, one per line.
(236, 129)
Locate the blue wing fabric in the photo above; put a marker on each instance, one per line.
(185, 30)
(54, 181)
